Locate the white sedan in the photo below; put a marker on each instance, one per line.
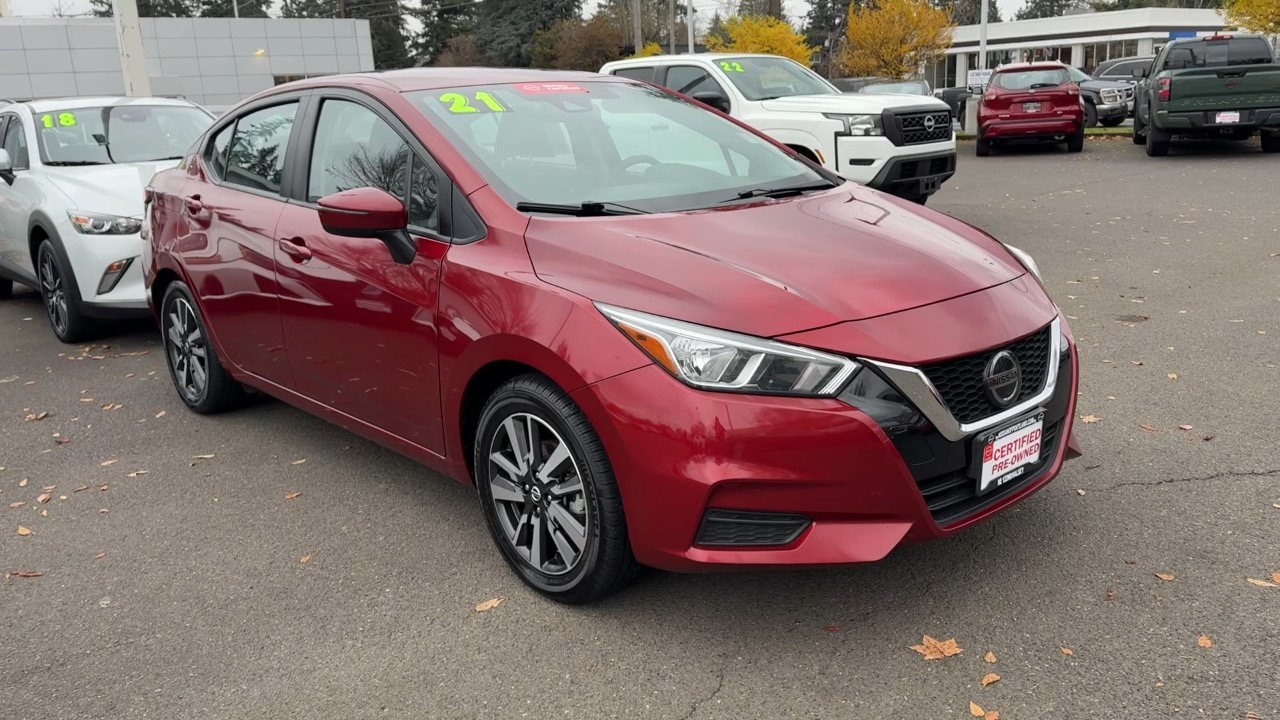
(72, 174)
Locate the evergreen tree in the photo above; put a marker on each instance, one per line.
(309, 8)
(824, 29)
(149, 8)
(969, 12)
(442, 21)
(223, 8)
(1047, 8)
(509, 26)
(386, 31)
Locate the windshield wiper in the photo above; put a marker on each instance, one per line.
(781, 192)
(74, 163)
(585, 209)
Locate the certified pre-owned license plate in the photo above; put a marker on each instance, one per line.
(1008, 452)
(1030, 107)
(1225, 118)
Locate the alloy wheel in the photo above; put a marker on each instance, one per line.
(188, 352)
(538, 495)
(54, 292)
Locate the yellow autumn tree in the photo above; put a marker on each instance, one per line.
(649, 49)
(1260, 16)
(761, 34)
(894, 38)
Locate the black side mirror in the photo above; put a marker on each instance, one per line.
(713, 99)
(1138, 72)
(6, 167)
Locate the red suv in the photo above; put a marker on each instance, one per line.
(649, 335)
(1037, 102)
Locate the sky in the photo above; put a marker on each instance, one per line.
(795, 9)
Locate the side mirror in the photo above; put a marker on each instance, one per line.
(1138, 72)
(369, 212)
(6, 167)
(713, 99)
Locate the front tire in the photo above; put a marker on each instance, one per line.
(61, 296)
(6, 289)
(1090, 115)
(549, 495)
(197, 373)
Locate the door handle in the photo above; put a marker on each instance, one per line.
(193, 204)
(295, 248)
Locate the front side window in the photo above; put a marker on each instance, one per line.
(119, 133)
(766, 78)
(256, 156)
(568, 143)
(216, 155)
(15, 143)
(690, 79)
(1030, 79)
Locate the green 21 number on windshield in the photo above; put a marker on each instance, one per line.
(483, 102)
(65, 119)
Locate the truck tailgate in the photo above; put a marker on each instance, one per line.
(1238, 87)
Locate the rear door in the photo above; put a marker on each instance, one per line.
(229, 253)
(1035, 94)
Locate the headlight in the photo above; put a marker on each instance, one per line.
(1111, 97)
(859, 124)
(91, 224)
(1026, 260)
(717, 360)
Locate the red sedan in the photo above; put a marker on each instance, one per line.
(1037, 102)
(646, 333)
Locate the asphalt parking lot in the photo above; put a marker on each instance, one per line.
(178, 581)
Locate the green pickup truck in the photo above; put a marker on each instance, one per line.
(1219, 86)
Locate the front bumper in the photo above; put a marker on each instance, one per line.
(843, 480)
(916, 175)
(1114, 110)
(864, 159)
(102, 293)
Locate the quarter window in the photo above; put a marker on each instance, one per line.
(256, 156)
(15, 142)
(635, 73)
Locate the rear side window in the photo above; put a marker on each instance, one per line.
(256, 156)
(1030, 79)
(635, 73)
(1218, 53)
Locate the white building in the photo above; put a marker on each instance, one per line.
(1082, 40)
(212, 61)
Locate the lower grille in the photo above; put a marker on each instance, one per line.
(749, 529)
(954, 496)
(961, 385)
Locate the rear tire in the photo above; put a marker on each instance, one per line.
(561, 529)
(1075, 143)
(1270, 142)
(1157, 143)
(983, 147)
(197, 373)
(1090, 115)
(61, 296)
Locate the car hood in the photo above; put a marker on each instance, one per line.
(850, 103)
(1104, 85)
(108, 189)
(775, 267)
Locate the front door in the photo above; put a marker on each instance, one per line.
(17, 201)
(230, 249)
(360, 327)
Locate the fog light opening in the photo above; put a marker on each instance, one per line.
(111, 276)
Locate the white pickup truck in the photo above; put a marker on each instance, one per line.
(901, 144)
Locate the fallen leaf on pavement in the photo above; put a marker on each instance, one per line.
(24, 531)
(305, 559)
(1165, 577)
(1252, 581)
(61, 440)
(976, 710)
(82, 487)
(161, 414)
(104, 510)
(1136, 362)
(49, 488)
(1275, 577)
(1204, 641)
(36, 416)
(16, 505)
(1253, 715)
(989, 657)
(933, 649)
(1147, 427)
(99, 556)
(44, 498)
(1111, 595)
(1185, 426)
(832, 628)
(298, 462)
(1276, 505)
(292, 495)
(201, 457)
(1079, 491)
(1066, 650)
(488, 605)
(991, 715)
(1173, 376)
(137, 473)
(989, 678)
(1090, 419)
(22, 482)
(26, 573)
(103, 487)
(106, 463)
(1207, 438)
(1093, 466)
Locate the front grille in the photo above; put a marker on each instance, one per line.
(954, 496)
(738, 528)
(963, 389)
(911, 128)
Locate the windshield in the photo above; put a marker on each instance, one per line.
(119, 133)
(1028, 79)
(614, 142)
(1077, 74)
(765, 78)
(898, 88)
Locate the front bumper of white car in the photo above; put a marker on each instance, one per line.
(108, 272)
(914, 154)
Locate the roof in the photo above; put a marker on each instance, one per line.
(1041, 65)
(72, 103)
(688, 56)
(433, 78)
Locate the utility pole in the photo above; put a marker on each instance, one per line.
(133, 63)
(689, 10)
(4, 9)
(235, 8)
(775, 8)
(342, 8)
(671, 33)
(637, 28)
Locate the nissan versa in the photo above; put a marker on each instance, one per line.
(648, 334)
